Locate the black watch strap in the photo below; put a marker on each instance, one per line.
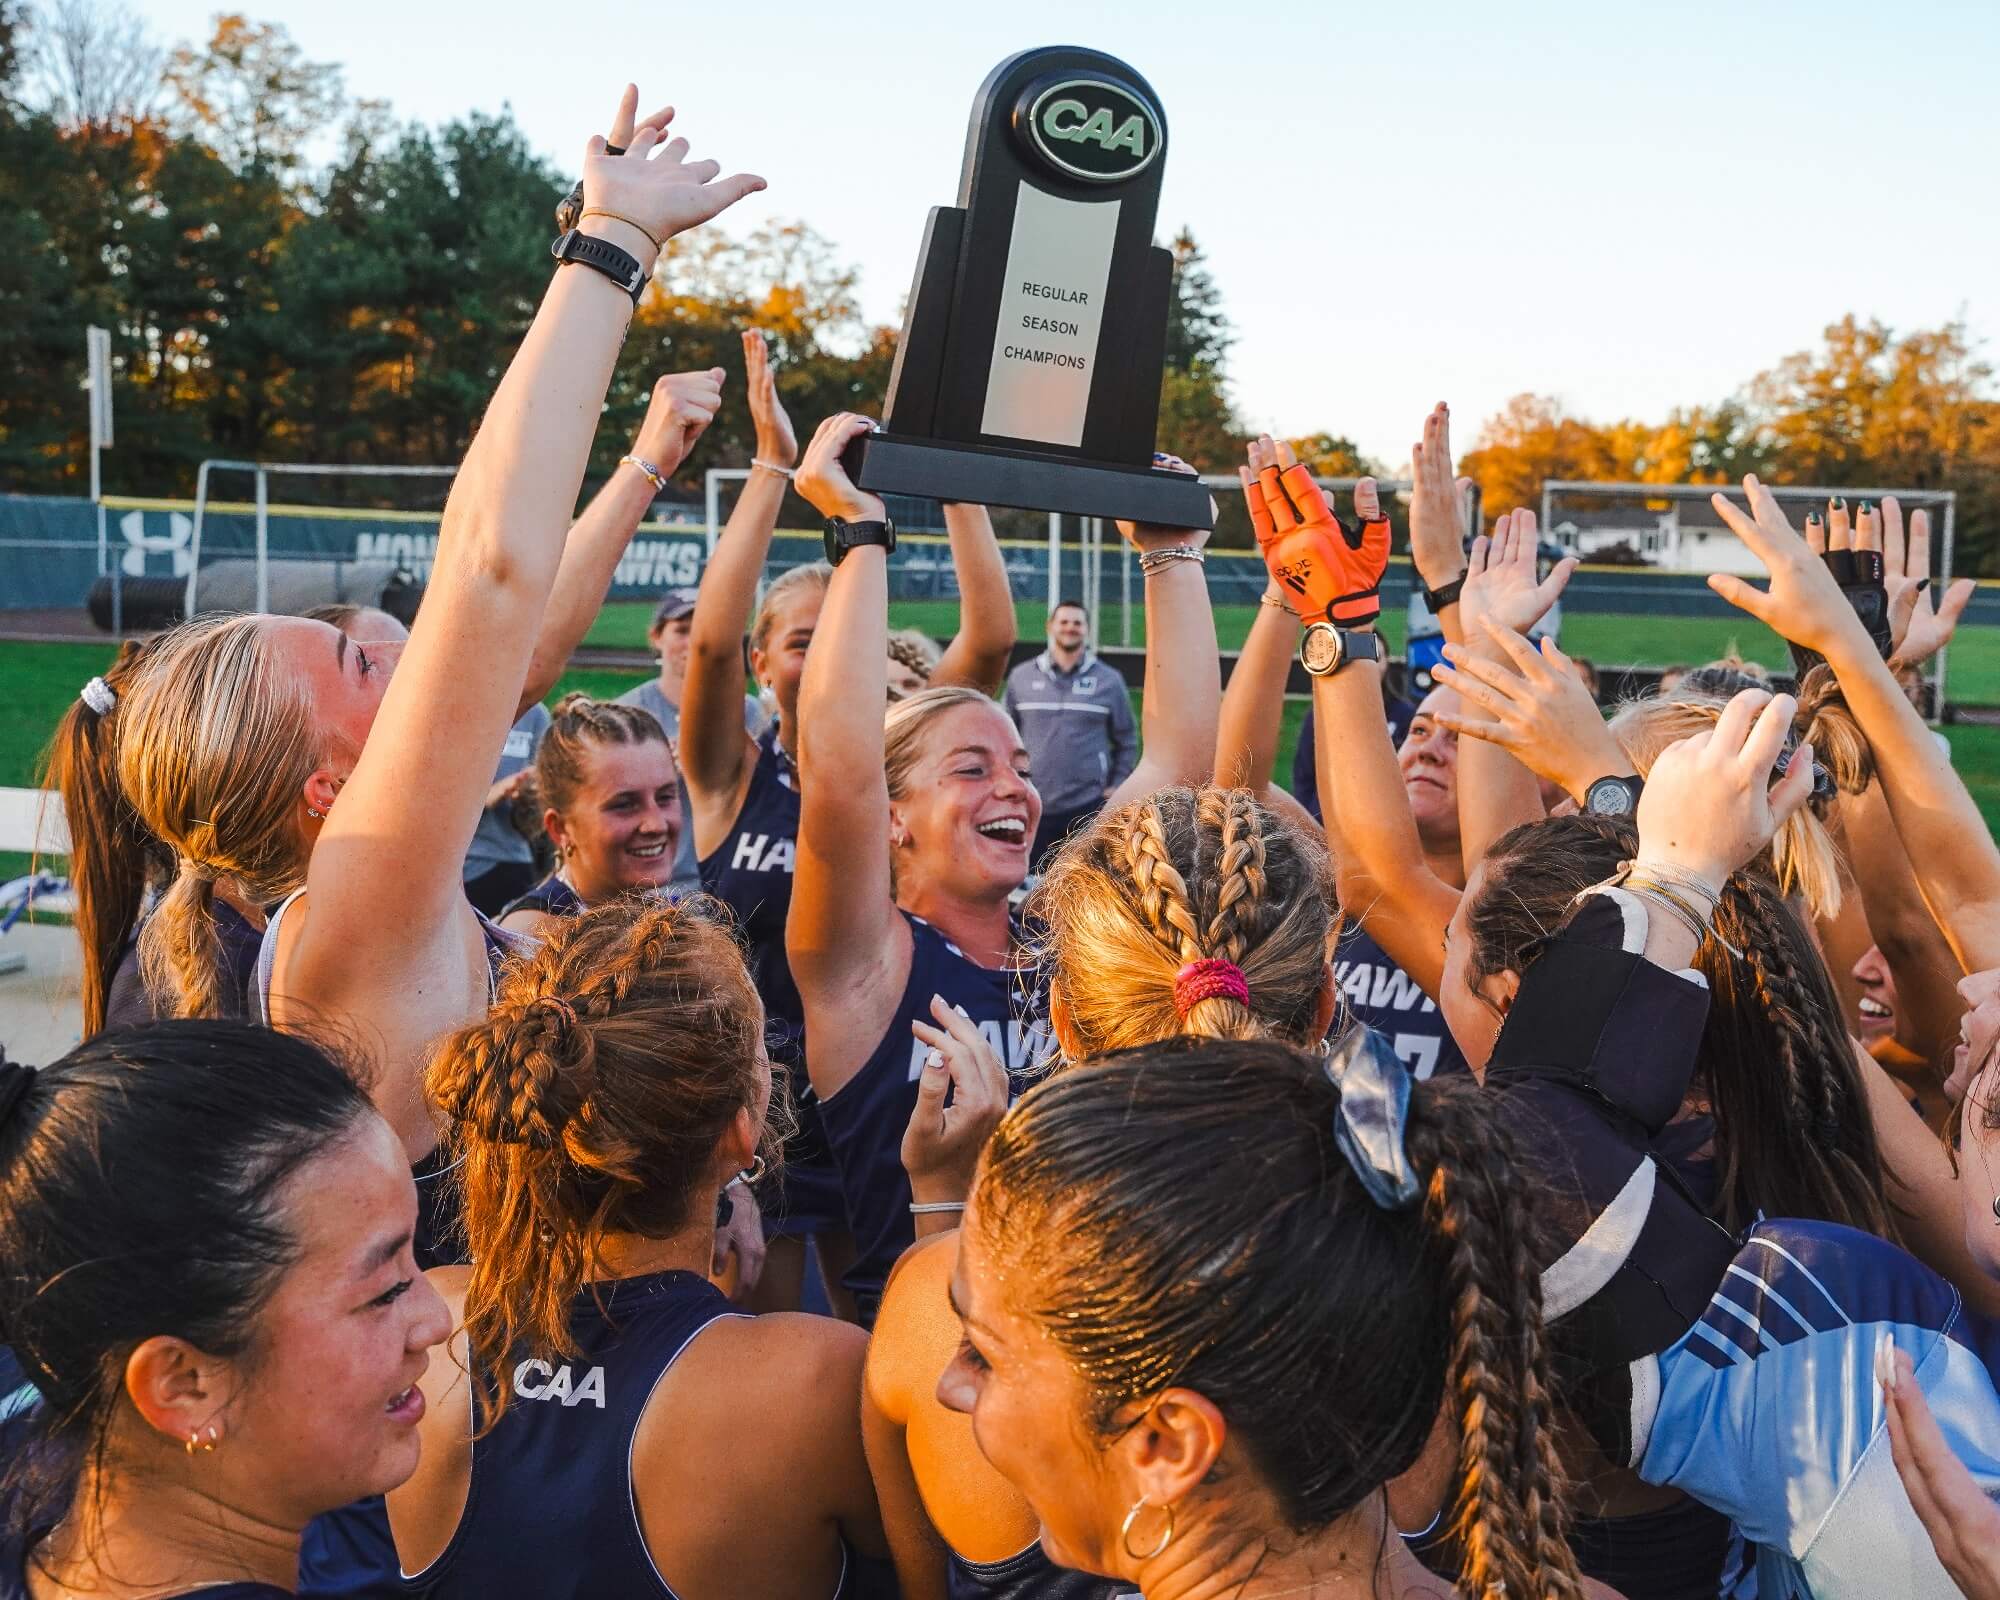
(1445, 594)
(621, 267)
(843, 536)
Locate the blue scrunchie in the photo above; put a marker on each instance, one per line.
(1374, 1111)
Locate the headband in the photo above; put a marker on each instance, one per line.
(1207, 980)
(1374, 1113)
(99, 696)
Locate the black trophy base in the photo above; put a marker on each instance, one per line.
(980, 475)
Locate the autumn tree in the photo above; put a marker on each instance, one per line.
(251, 95)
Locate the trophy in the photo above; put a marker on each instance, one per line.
(1028, 373)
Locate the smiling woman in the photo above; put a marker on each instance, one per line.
(172, 1318)
(613, 810)
(914, 833)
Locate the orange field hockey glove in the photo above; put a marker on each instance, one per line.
(1329, 571)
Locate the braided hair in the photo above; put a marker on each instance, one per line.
(1181, 1216)
(577, 725)
(1185, 875)
(589, 1101)
(1793, 1133)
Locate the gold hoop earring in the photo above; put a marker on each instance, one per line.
(1125, 1533)
(206, 1446)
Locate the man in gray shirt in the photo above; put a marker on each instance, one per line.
(501, 864)
(673, 620)
(1075, 716)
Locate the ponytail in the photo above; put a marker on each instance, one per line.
(1507, 1511)
(1203, 884)
(113, 857)
(180, 948)
(589, 1101)
(1185, 1216)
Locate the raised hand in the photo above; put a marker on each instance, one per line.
(942, 1143)
(1963, 1524)
(823, 480)
(654, 186)
(1804, 602)
(1437, 537)
(1536, 708)
(1326, 570)
(682, 407)
(777, 442)
(1919, 625)
(1500, 580)
(1709, 806)
(1144, 536)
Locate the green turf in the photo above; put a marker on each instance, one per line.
(37, 681)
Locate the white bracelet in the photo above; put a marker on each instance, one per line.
(926, 1208)
(770, 466)
(659, 478)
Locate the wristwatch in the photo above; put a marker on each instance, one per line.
(843, 536)
(1445, 594)
(622, 268)
(1326, 649)
(1613, 797)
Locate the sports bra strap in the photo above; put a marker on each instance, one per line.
(267, 954)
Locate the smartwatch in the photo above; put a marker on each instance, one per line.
(843, 536)
(1613, 797)
(621, 267)
(1326, 649)
(1445, 594)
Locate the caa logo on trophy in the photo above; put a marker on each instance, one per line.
(1028, 373)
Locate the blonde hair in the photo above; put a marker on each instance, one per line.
(216, 742)
(1803, 853)
(904, 725)
(1186, 875)
(815, 575)
(916, 650)
(589, 1101)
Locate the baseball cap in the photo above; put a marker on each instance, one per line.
(674, 604)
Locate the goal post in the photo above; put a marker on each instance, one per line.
(1670, 530)
(262, 472)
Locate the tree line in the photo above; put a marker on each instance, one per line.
(359, 308)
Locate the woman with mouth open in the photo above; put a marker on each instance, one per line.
(210, 1282)
(914, 832)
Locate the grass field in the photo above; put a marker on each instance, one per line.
(37, 681)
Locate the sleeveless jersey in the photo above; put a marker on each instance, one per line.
(1031, 1575)
(439, 1239)
(865, 1121)
(1383, 995)
(550, 1510)
(128, 1005)
(751, 873)
(552, 897)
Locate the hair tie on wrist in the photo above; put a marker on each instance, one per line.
(1209, 979)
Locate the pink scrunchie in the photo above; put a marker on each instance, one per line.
(1207, 980)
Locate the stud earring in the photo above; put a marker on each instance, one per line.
(317, 816)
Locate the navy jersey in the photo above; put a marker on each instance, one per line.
(751, 873)
(550, 1510)
(1383, 995)
(128, 1005)
(552, 897)
(865, 1121)
(1028, 1576)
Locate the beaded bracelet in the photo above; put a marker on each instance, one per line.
(659, 478)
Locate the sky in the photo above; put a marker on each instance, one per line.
(1625, 207)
